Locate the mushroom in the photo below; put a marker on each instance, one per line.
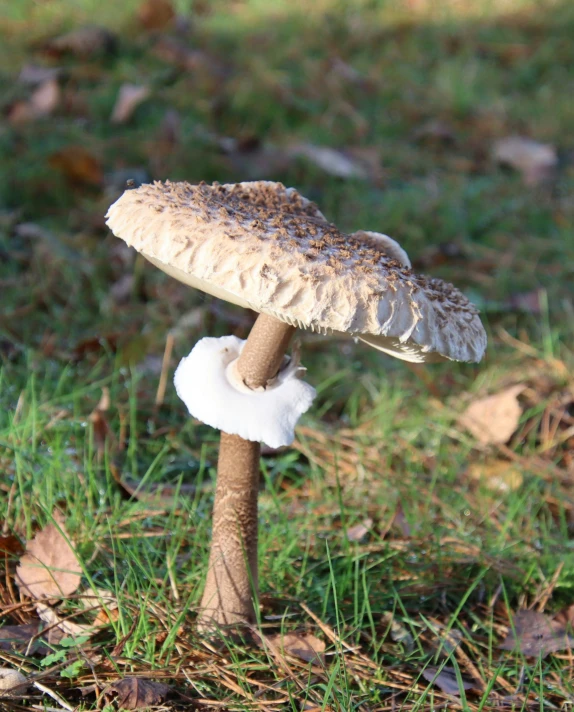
(265, 247)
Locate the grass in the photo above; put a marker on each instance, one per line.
(447, 557)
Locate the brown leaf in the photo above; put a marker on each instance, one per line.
(42, 102)
(398, 632)
(566, 616)
(446, 679)
(36, 74)
(330, 160)
(11, 545)
(83, 42)
(529, 302)
(50, 567)
(155, 14)
(133, 693)
(130, 96)
(498, 475)
(536, 634)
(103, 602)
(61, 627)
(301, 645)
(535, 161)
(495, 418)
(77, 165)
(22, 639)
(46, 98)
(359, 531)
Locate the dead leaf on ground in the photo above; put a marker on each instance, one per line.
(133, 693)
(435, 132)
(50, 567)
(12, 683)
(78, 165)
(130, 96)
(498, 475)
(536, 634)
(398, 632)
(11, 545)
(566, 617)
(446, 679)
(46, 98)
(43, 101)
(528, 302)
(534, 160)
(61, 627)
(83, 42)
(360, 531)
(155, 14)
(495, 418)
(301, 645)
(35, 74)
(178, 53)
(103, 602)
(330, 160)
(22, 639)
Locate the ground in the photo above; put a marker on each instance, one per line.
(393, 537)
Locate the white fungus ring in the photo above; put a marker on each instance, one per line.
(208, 383)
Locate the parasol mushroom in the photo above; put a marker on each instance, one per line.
(265, 247)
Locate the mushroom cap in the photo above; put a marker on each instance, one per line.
(266, 247)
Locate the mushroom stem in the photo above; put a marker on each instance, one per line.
(232, 578)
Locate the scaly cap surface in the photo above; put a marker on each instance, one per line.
(263, 246)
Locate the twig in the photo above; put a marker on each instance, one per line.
(54, 695)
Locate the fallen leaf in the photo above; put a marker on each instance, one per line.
(529, 302)
(50, 567)
(155, 14)
(359, 531)
(11, 545)
(330, 160)
(301, 645)
(498, 475)
(566, 617)
(83, 42)
(77, 165)
(130, 96)
(103, 602)
(536, 634)
(446, 679)
(398, 632)
(534, 160)
(22, 639)
(178, 53)
(12, 683)
(95, 345)
(495, 418)
(42, 102)
(133, 693)
(46, 98)
(61, 627)
(35, 74)
(435, 132)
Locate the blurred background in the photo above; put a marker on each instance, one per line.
(444, 123)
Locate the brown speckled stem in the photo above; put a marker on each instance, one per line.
(231, 583)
